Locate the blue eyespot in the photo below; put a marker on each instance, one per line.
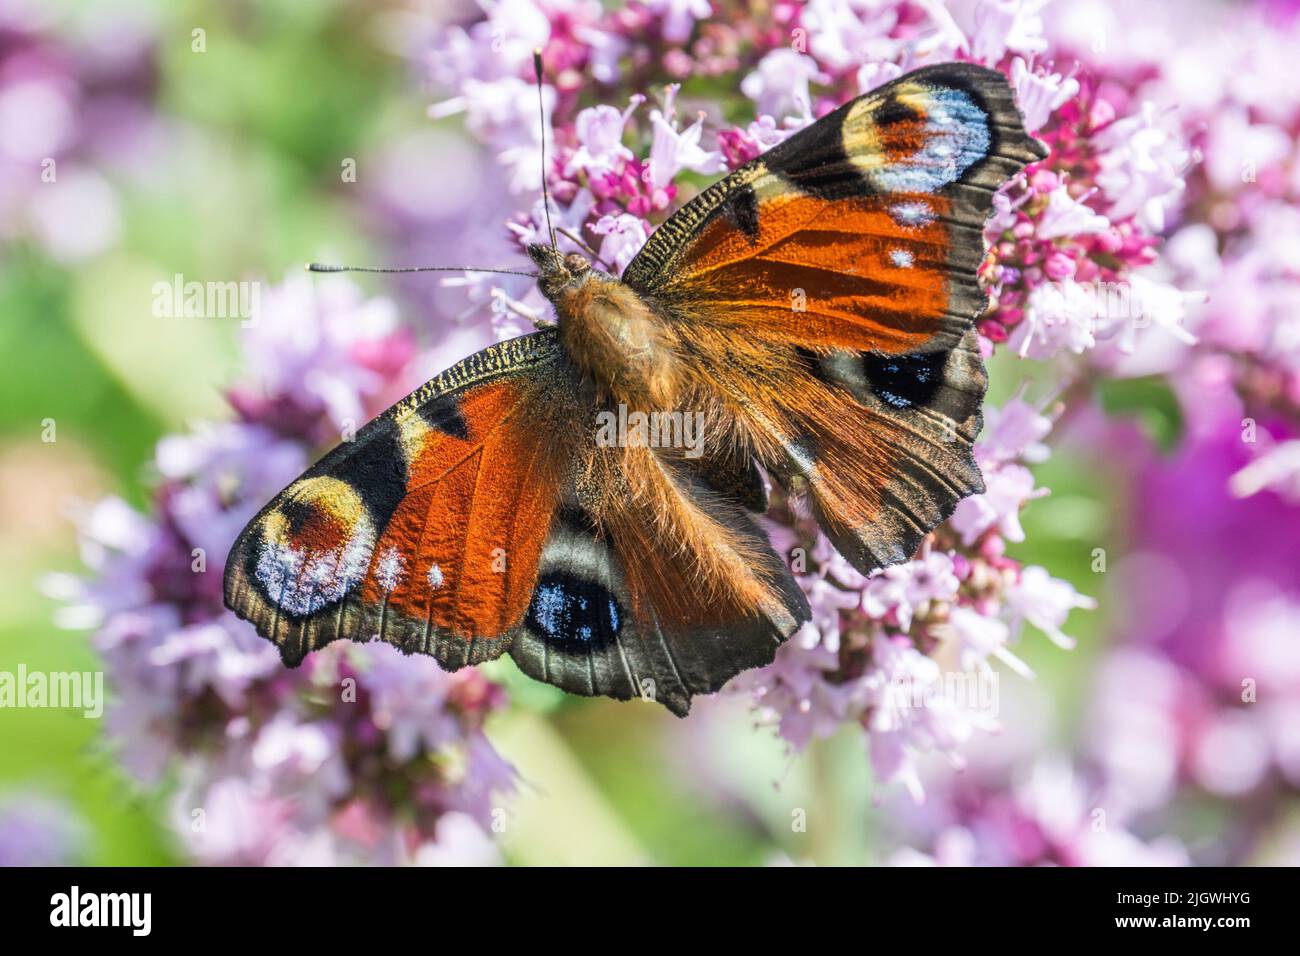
(567, 609)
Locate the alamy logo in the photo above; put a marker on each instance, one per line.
(83, 691)
(624, 429)
(975, 691)
(207, 300)
(103, 909)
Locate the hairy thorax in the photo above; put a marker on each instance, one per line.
(618, 342)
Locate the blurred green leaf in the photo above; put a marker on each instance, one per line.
(1150, 402)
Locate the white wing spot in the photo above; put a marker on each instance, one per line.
(901, 258)
(435, 576)
(911, 214)
(390, 570)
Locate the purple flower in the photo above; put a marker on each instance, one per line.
(203, 467)
(318, 352)
(1045, 602)
(624, 234)
(600, 139)
(1067, 216)
(976, 637)
(679, 16)
(1142, 166)
(843, 34)
(870, 654)
(1040, 94)
(1002, 25)
(409, 700)
(910, 713)
(740, 146)
(1007, 490)
(872, 75)
(350, 758)
(76, 113)
(896, 591)
(1048, 813)
(1058, 318)
(37, 830)
(672, 151)
(504, 112)
(780, 84)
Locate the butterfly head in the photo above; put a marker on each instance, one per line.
(557, 269)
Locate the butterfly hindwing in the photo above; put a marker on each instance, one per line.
(828, 290)
(589, 633)
(425, 530)
(924, 410)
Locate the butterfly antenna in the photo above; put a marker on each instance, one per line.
(322, 267)
(541, 112)
(585, 245)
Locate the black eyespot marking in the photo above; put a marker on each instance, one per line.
(379, 473)
(892, 111)
(297, 513)
(905, 381)
(444, 415)
(742, 209)
(572, 613)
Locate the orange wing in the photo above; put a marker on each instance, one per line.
(827, 290)
(426, 529)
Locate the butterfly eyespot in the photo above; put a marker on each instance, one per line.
(567, 610)
(314, 547)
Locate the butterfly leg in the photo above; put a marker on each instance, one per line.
(503, 303)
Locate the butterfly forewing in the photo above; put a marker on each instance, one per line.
(426, 529)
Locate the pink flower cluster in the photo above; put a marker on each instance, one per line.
(1045, 814)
